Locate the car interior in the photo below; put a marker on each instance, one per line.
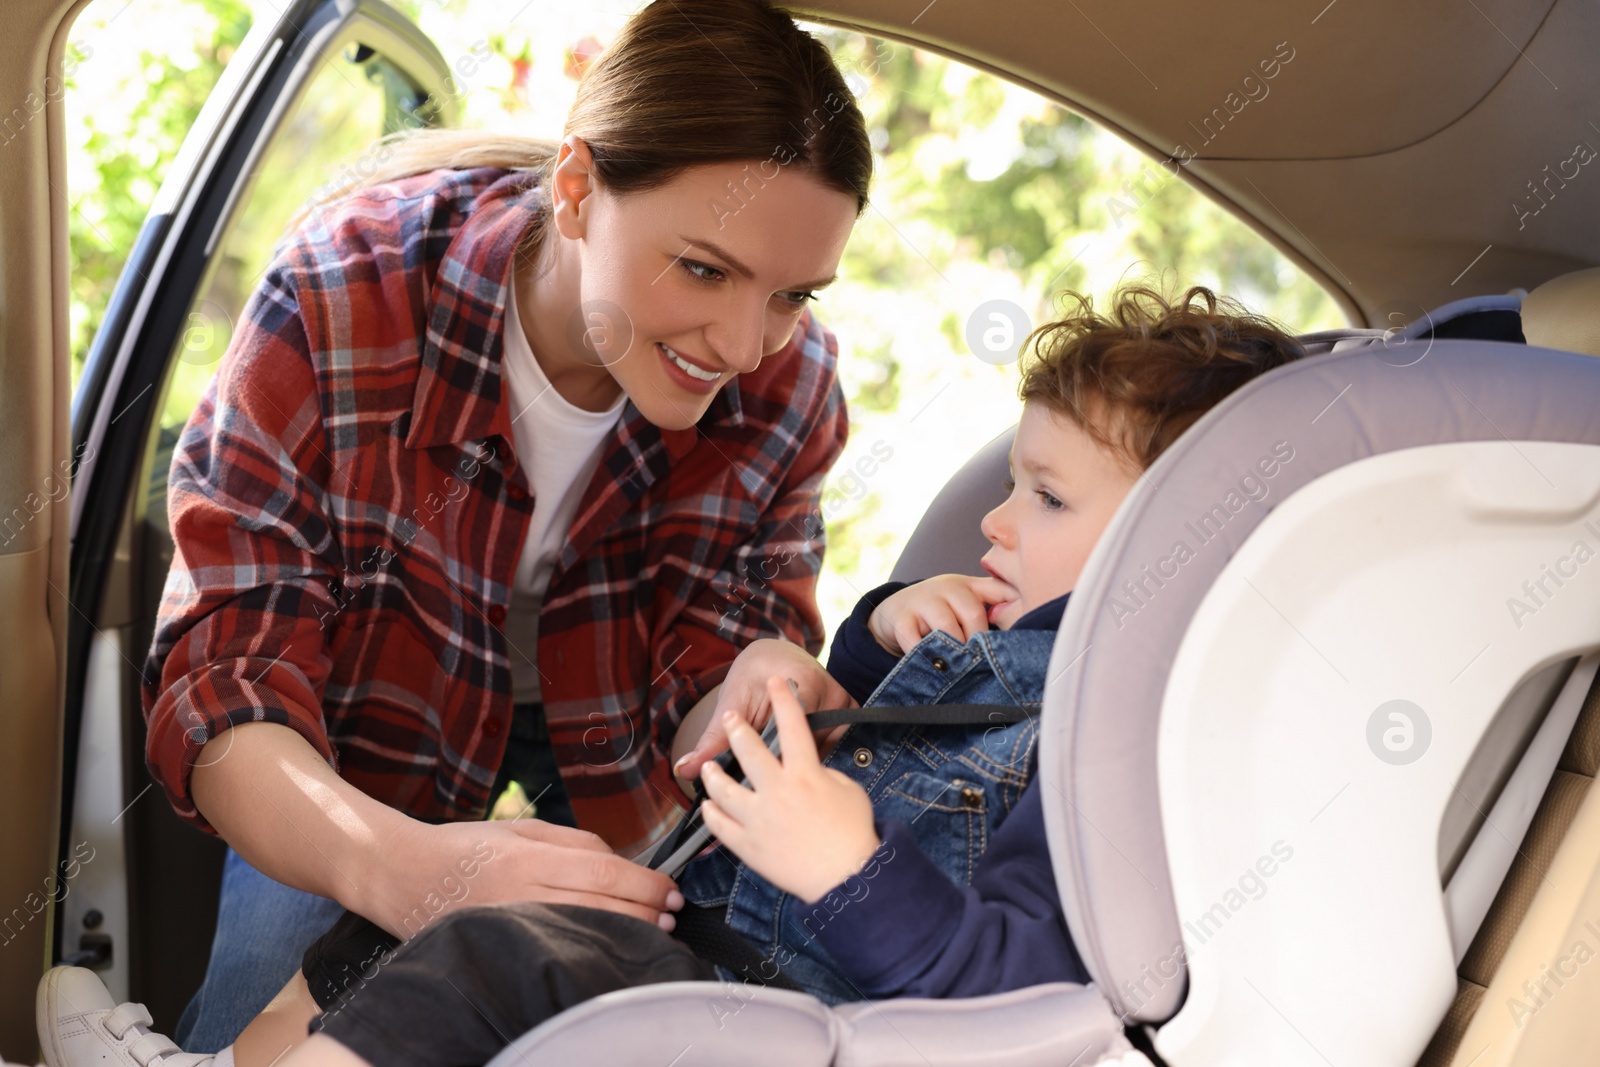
(1253, 867)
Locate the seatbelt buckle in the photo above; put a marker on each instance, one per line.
(690, 836)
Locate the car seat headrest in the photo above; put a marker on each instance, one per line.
(1564, 313)
(948, 539)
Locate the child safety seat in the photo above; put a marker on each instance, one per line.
(1317, 743)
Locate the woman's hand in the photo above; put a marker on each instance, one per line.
(958, 604)
(286, 812)
(432, 869)
(744, 693)
(805, 828)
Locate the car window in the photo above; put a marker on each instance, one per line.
(319, 148)
(990, 200)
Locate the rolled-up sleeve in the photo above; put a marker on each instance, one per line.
(241, 632)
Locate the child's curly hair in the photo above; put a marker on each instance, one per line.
(1151, 368)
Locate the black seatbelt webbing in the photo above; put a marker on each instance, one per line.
(924, 715)
(706, 932)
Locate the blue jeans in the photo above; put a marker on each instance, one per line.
(264, 927)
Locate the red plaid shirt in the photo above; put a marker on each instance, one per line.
(348, 512)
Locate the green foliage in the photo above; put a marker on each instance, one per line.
(124, 137)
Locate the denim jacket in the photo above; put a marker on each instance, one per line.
(950, 786)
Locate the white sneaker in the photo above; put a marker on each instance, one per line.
(80, 1024)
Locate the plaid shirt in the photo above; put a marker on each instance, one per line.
(348, 512)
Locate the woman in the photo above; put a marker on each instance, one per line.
(511, 453)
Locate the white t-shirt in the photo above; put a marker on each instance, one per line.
(558, 447)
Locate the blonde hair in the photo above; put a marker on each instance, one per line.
(409, 152)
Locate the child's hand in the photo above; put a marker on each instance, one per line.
(958, 604)
(744, 692)
(805, 828)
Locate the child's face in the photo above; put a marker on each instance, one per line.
(1067, 487)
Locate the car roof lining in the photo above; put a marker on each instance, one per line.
(1310, 165)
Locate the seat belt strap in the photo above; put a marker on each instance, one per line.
(706, 932)
(926, 715)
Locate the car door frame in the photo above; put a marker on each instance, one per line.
(132, 354)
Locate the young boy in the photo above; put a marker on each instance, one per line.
(910, 860)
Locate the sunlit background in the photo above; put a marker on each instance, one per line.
(984, 191)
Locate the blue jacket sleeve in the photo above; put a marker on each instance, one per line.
(902, 928)
(855, 659)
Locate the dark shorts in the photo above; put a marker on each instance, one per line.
(354, 947)
(481, 976)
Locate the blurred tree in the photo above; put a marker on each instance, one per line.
(127, 133)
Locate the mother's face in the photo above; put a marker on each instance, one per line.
(683, 286)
